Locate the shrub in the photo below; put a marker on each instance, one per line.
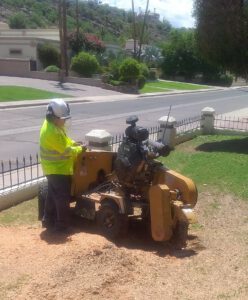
(218, 79)
(129, 70)
(48, 55)
(52, 68)
(84, 64)
(141, 81)
(116, 82)
(144, 70)
(85, 41)
(18, 21)
(115, 69)
(225, 80)
(152, 75)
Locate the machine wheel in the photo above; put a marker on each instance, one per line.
(180, 234)
(42, 195)
(111, 223)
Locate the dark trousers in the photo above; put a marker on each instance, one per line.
(58, 200)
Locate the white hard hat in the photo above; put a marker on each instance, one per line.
(59, 108)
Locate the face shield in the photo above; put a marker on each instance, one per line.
(68, 125)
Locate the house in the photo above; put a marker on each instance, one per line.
(20, 45)
(19, 49)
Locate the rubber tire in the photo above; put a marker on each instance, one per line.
(42, 195)
(112, 228)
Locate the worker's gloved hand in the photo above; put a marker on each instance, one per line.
(164, 151)
(84, 147)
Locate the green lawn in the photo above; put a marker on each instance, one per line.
(219, 162)
(22, 214)
(166, 86)
(17, 93)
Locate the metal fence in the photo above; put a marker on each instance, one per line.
(231, 123)
(19, 171)
(188, 125)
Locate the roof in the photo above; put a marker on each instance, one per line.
(48, 34)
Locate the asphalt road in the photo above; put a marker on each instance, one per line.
(19, 127)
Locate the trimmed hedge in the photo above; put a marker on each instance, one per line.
(85, 64)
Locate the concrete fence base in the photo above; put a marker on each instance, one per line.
(15, 195)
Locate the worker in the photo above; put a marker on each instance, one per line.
(58, 153)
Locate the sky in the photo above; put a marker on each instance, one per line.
(177, 12)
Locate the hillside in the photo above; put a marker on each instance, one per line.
(109, 23)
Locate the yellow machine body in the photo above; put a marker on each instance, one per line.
(88, 167)
(171, 196)
(160, 210)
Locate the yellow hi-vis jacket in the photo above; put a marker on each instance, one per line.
(57, 151)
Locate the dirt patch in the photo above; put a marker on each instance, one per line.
(85, 265)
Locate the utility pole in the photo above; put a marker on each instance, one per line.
(134, 31)
(65, 35)
(77, 17)
(63, 39)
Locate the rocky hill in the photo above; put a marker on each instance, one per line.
(109, 23)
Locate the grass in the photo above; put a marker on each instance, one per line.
(166, 86)
(17, 93)
(214, 162)
(22, 214)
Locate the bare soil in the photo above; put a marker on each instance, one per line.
(85, 265)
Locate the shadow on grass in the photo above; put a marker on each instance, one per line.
(239, 146)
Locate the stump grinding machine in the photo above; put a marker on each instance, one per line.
(113, 188)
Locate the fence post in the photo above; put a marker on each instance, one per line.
(99, 139)
(207, 120)
(167, 133)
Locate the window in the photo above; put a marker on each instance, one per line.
(15, 52)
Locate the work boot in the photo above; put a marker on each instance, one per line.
(48, 224)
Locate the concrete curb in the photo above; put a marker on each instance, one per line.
(93, 99)
(182, 92)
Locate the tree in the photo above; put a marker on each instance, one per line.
(222, 33)
(182, 58)
(134, 31)
(143, 29)
(180, 55)
(18, 21)
(79, 41)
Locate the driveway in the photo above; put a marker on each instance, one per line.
(72, 89)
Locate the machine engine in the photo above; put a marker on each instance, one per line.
(135, 157)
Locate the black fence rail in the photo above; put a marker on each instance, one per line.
(231, 123)
(19, 171)
(188, 125)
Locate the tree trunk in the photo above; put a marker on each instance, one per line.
(143, 30)
(134, 31)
